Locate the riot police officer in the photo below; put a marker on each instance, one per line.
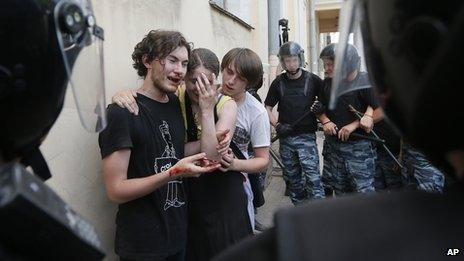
(349, 163)
(294, 91)
(40, 47)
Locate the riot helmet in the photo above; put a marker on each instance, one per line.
(352, 60)
(328, 52)
(291, 49)
(43, 43)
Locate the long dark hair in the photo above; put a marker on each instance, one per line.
(203, 57)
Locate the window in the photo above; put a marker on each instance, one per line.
(236, 9)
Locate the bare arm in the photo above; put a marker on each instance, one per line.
(210, 131)
(367, 120)
(227, 117)
(209, 140)
(345, 131)
(272, 118)
(329, 127)
(120, 189)
(253, 165)
(191, 148)
(323, 118)
(218, 135)
(378, 114)
(369, 111)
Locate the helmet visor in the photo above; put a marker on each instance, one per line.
(289, 51)
(81, 45)
(289, 62)
(348, 59)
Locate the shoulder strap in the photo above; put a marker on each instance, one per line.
(307, 78)
(222, 100)
(32, 156)
(238, 153)
(281, 85)
(216, 117)
(191, 128)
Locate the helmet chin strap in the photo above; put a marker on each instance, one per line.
(295, 72)
(31, 156)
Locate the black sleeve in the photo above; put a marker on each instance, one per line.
(318, 85)
(273, 95)
(255, 94)
(117, 135)
(370, 98)
(324, 92)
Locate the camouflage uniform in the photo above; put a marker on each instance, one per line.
(387, 172)
(327, 172)
(350, 165)
(301, 160)
(418, 172)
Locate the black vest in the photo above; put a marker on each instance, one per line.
(294, 102)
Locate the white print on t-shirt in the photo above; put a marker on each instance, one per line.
(252, 125)
(241, 138)
(172, 199)
(163, 163)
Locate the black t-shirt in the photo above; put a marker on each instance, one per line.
(155, 225)
(292, 101)
(359, 99)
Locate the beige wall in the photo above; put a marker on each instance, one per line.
(260, 40)
(73, 153)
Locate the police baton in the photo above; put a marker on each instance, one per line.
(276, 137)
(274, 156)
(361, 136)
(365, 137)
(359, 115)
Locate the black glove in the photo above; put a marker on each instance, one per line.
(283, 129)
(317, 108)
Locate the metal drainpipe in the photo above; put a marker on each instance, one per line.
(313, 37)
(274, 14)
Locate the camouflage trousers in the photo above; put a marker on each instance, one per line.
(419, 173)
(300, 158)
(348, 166)
(387, 172)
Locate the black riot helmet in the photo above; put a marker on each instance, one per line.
(328, 52)
(414, 55)
(352, 61)
(45, 45)
(291, 49)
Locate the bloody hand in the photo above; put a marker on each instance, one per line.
(205, 162)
